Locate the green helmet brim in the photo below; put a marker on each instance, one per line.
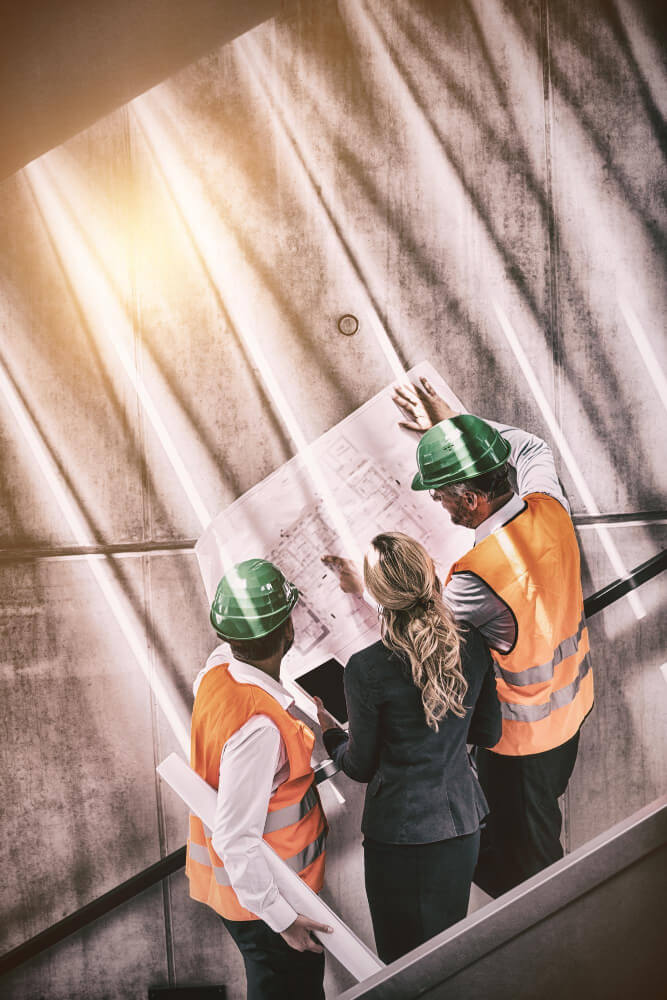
(418, 482)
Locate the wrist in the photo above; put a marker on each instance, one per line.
(279, 915)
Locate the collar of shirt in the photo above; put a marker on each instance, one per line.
(499, 518)
(244, 673)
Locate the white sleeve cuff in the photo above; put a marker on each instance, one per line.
(279, 915)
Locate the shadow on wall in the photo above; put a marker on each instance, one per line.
(509, 149)
(268, 277)
(599, 36)
(622, 449)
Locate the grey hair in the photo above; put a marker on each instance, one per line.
(490, 484)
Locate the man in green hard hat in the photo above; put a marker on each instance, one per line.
(520, 587)
(247, 745)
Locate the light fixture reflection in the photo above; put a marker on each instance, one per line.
(566, 454)
(646, 352)
(217, 247)
(174, 712)
(107, 317)
(303, 165)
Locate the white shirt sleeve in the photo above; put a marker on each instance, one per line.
(533, 463)
(471, 600)
(249, 763)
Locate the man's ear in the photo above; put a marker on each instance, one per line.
(472, 499)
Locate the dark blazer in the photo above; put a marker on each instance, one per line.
(421, 787)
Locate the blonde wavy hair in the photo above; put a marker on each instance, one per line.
(401, 577)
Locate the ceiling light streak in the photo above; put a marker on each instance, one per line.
(197, 215)
(643, 344)
(256, 63)
(566, 454)
(108, 317)
(175, 714)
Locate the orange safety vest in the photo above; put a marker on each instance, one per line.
(544, 683)
(295, 827)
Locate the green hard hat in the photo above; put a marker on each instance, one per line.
(252, 599)
(458, 449)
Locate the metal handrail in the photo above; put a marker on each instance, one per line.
(176, 860)
(612, 593)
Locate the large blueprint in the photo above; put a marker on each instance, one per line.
(366, 463)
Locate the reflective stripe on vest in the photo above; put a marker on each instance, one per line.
(559, 699)
(544, 681)
(199, 853)
(276, 820)
(545, 671)
(288, 815)
(297, 863)
(295, 824)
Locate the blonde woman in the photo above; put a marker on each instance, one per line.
(415, 698)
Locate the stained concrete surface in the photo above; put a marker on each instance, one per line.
(77, 747)
(413, 164)
(117, 958)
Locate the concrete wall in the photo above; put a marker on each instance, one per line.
(430, 168)
(64, 65)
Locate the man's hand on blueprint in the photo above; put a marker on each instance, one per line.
(422, 405)
(349, 576)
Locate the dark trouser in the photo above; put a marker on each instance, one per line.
(274, 970)
(417, 890)
(522, 831)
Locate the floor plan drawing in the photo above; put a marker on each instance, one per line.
(367, 464)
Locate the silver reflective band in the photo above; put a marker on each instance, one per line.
(534, 713)
(545, 671)
(306, 857)
(280, 818)
(199, 853)
(297, 863)
(221, 876)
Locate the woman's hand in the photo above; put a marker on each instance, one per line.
(325, 719)
(349, 577)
